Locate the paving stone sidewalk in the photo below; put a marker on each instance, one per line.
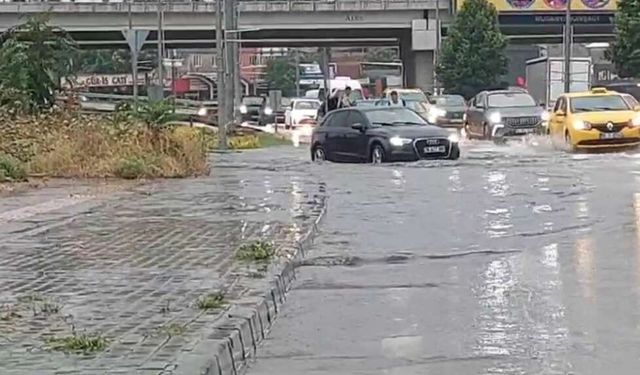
(130, 265)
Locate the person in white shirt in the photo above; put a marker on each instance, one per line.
(345, 100)
(395, 101)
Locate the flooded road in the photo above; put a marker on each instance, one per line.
(512, 260)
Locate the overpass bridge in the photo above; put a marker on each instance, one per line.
(410, 24)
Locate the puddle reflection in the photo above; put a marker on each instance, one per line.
(585, 266)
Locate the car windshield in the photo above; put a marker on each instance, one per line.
(449, 101)
(306, 104)
(416, 105)
(394, 117)
(631, 100)
(254, 100)
(598, 103)
(412, 95)
(511, 99)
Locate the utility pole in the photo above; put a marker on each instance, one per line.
(134, 63)
(220, 87)
(160, 49)
(568, 42)
(229, 15)
(297, 57)
(436, 52)
(237, 84)
(325, 69)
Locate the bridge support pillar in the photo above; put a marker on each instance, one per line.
(417, 51)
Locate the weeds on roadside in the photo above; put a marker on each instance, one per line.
(173, 329)
(258, 251)
(210, 301)
(78, 343)
(11, 170)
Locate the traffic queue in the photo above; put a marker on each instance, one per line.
(409, 124)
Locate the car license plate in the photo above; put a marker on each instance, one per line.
(610, 135)
(523, 131)
(433, 149)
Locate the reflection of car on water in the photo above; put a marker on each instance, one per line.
(447, 110)
(379, 135)
(594, 119)
(501, 114)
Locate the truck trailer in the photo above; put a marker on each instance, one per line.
(545, 77)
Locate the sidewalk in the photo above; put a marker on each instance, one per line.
(131, 264)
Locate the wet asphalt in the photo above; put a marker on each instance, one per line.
(515, 259)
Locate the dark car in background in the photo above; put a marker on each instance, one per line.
(251, 108)
(378, 135)
(500, 114)
(447, 110)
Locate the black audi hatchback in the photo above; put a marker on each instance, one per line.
(380, 134)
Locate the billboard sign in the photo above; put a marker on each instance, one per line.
(540, 6)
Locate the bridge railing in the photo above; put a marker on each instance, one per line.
(209, 5)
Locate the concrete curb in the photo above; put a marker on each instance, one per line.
(227, 347)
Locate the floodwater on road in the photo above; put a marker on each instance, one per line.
(515, 259)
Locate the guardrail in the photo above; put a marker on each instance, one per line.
(209, 5)
(94, 102)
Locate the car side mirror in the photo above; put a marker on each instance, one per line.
(637, 108)
(358, 126)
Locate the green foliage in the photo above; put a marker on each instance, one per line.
(473, 55)
(210, 301)
(11, 169)
(111, 61)
(132, 168)
(625, 51)
(281, 74)
(259, 251)
(34, 57)
(78, 343)
(156, 114)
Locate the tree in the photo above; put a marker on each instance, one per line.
(625, 51)
(473, 55)
(281, 74)
(34, 57)
(381, 54)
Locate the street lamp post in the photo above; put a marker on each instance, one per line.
(568, 41)
(160, 49)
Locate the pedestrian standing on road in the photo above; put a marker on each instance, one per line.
(395, 101)
(345, 100)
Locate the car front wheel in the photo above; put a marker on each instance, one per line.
(377, 154)
(318, 154)
(455, 152)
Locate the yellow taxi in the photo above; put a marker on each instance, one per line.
(594, 119)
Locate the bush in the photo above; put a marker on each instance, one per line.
(244, 142)
(71, 145)
(11, 169)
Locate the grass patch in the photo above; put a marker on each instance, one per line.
(270, 140)
(67, 144)
(210, 301)
(11, 169)
(258, 251)
(78, 343)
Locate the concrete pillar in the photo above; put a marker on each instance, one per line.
(417, 51)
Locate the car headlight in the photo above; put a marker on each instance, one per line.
(268, 111)
(635, 121)
(83, 98)
(243, 109)
(454, 138)
(202, 112)
(495, 117)
(545, 116)
(581, 125)
(398, 141)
